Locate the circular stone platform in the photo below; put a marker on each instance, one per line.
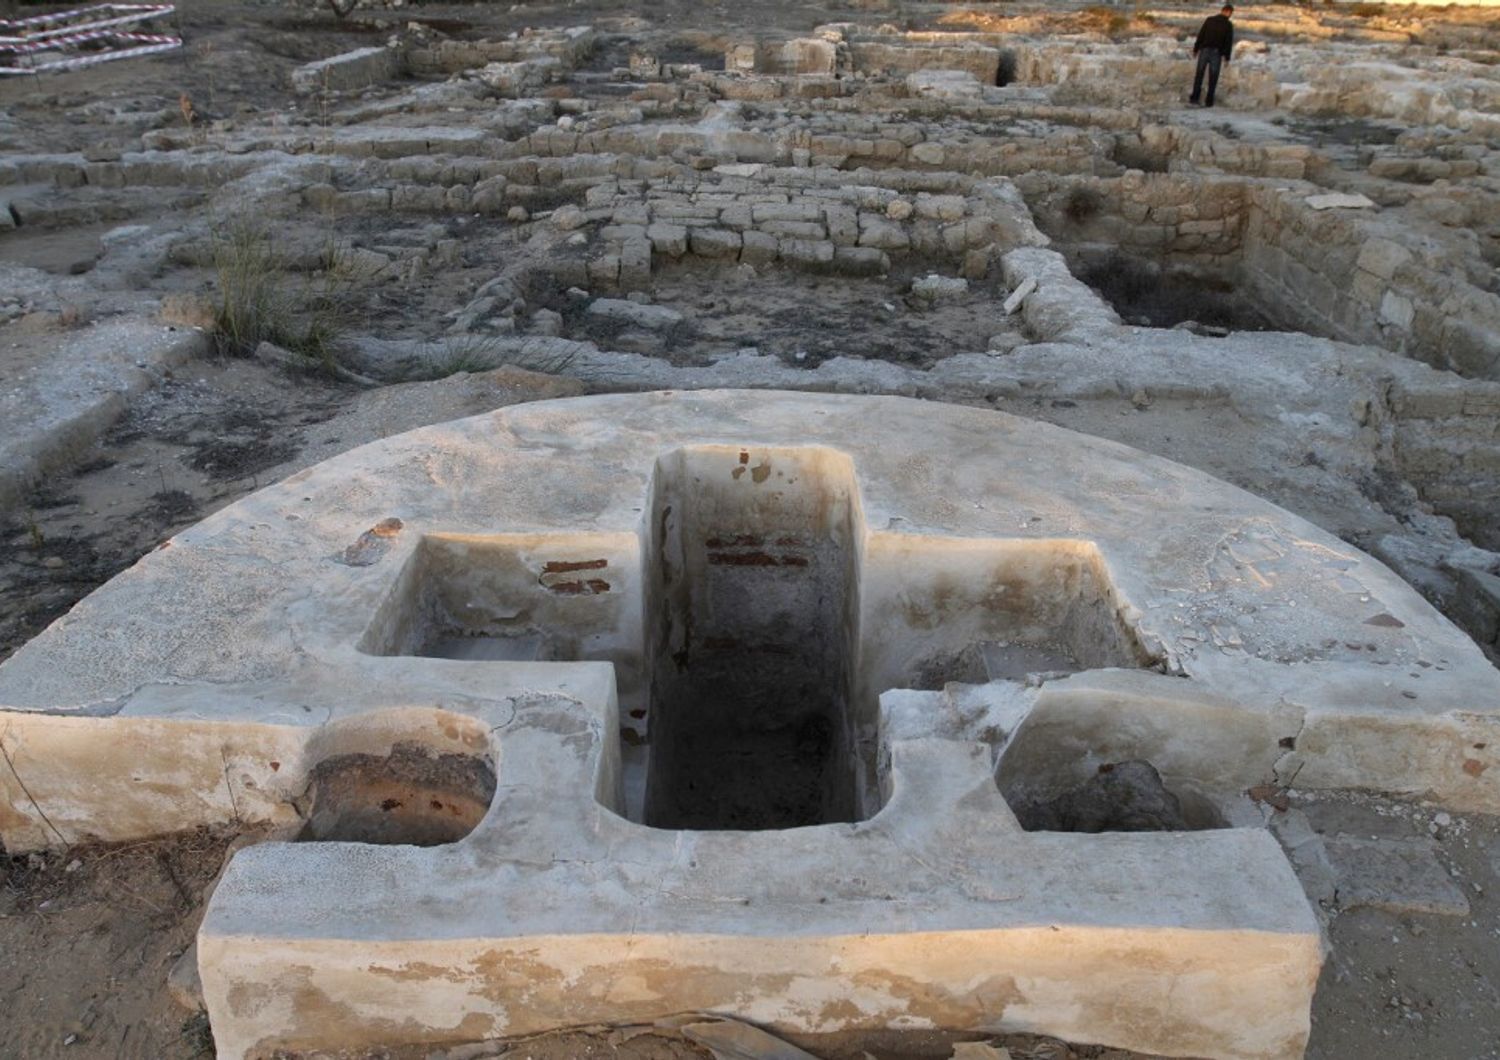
(659, 701)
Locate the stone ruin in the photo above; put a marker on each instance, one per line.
(830, 712)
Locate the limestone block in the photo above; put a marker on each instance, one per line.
(351, 70)
(516, 78)
(714, 242)
(860, 261)
(1396, 310)
(794, 229)
(314, 196)
(936, 288)
(668, 239)
(737, 216)
(604, 270)
(898, 209)
(683, 211)
(928, 154)
(807, 55)
(791, 211)
(650, 317)
(489, 196)
(418, 197)
(1339, 201)
(630, 213)
(806, 252)
(1398, 875)
(940, 207)
(740, 57)
(620, 233)
(882, 234)
(635, 263)
(568, 218)
(927, 238)
(843, 224)
(1427, 403)
(944, 84)
(758, 248)
(1382, 257)
(967, 234)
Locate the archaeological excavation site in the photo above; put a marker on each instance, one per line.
(856, 530)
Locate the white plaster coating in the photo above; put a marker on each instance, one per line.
(208, 682)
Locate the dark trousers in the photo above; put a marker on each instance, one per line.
(1208, 59)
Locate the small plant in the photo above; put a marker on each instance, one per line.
(1106, 19)
(256, 305)
(34, 532)
(250, 296)
(1082, 203)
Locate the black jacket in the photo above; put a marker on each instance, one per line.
(1216, 32)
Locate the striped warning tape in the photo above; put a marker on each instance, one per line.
(98, 24)
(123, 13)
(75, 62)
(27, 46)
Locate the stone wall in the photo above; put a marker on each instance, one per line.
(1446, 442)
(1160, 217)
(1341, 273)
(805, 219)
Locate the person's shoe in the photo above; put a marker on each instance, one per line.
(1193, 102)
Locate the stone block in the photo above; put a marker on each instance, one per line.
(635, 263)
(940, 207)
(807, 253)
(799, 210)
(934, 288)
(794, 229)
(649, 317)
(349, 71)
(714, 242)
(488, 196)
(928, 154)
(860, 261)
(668, 239)
(843, 224)
(1382, 257)
(882, 234)
(737, 216)
(604, 271)
(1398, 875)
(758, 248)
(1396, 310)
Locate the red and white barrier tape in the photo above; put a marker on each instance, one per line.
(122, 12)
(100, 23)
(91, 35)
(76, 62)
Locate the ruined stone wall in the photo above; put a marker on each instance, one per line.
(1335, 273)
(1156, 72)
(1446, 442)
(1159, 217)
(810, 219)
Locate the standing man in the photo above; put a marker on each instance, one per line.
(1212, 48)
